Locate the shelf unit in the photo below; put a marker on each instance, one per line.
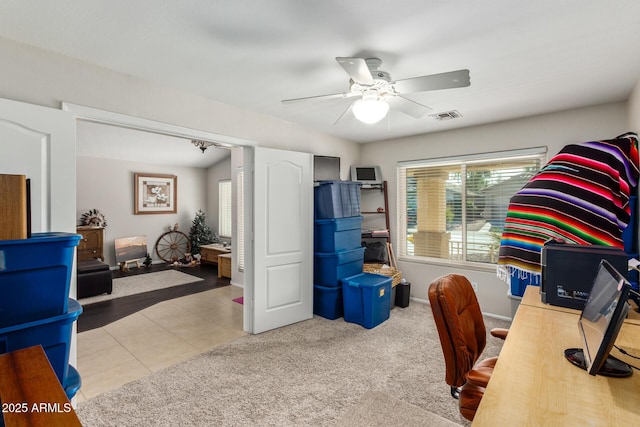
(382, 188)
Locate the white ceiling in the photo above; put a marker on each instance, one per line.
(525, 57)
(118, 143)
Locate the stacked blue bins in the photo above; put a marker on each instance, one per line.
(337, 244)
(367, 299)
(35, 308)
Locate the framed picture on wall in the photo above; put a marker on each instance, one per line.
(155, 194)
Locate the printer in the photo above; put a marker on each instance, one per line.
(568, 271)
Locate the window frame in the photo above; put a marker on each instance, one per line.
(450, 161)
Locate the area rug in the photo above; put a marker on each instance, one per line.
(139, 283)
(313, 373)
(239, 300)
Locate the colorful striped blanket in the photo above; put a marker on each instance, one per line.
(580, 196)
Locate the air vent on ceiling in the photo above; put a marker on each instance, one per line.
(447, 115)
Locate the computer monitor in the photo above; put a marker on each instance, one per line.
(599, 324)
(366, 175)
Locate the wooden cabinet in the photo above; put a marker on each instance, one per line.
(209, 253)
(92, 243)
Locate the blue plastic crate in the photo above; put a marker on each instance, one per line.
(329, 268)
(338, 234)
(337, 199)
(367, 299)
(630, 234)
(327, 302)
(72, 382)
(52, 333)
(519, 285)
(35, 276)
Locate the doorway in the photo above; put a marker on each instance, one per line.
(276, 286)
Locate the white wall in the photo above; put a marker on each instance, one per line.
(553, 131)
(43, 78)
(107, 185)
(634, 109)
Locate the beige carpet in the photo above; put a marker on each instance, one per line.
(377, 409)
(139, 283)
(314, 373)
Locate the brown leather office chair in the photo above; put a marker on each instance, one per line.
(463, 337)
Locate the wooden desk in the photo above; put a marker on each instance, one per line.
(531, 297)
(31, 393)
(224, 265)
(534, 385)
(209, 253)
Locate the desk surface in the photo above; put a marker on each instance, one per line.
(534, 385)
(31, 393)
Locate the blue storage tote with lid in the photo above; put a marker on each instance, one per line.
(366, 299)
(52, 333)
(630, 234)
(327, 302)
(35, 276)
(329, 268)
(336, 199)
(337, 234)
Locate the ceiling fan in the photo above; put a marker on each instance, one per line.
(377, 93)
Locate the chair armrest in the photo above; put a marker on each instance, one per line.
(500, 333)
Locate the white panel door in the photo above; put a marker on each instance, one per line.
(40, 143)
(283, 238)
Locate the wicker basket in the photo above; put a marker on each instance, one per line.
(384, 270)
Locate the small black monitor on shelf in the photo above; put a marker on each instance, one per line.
(366, 175)
(600, 322)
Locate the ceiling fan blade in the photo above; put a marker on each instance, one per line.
(452, 79)
(330, 96)
(408, 106)
(357, 69)
(343, 114)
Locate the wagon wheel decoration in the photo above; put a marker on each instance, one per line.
(173, 245)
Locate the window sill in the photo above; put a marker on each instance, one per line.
(450, 263)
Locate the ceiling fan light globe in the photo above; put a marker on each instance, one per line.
(370, 111)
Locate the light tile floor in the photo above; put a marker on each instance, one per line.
(156, 338)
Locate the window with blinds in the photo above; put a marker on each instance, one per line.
(224, 208)
(240, 240)
(454, 208)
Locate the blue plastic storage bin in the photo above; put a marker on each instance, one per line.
(329, 268)
(367, 299)
(52, 333)
(327, 302)
(519, 285)
(338, 234)
(337, 199)
(72, 382)
(629, 234)
(35, 275)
